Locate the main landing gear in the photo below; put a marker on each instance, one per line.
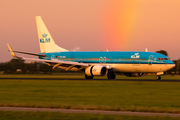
(158, 77)
(88, 77)
(111, 74)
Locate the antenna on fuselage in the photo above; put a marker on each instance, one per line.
(146, 50)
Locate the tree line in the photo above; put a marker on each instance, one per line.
(19, 66)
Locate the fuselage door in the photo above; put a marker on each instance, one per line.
(53, 57)
(102, 59)
(150, 59)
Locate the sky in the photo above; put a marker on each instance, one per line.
(92, 25)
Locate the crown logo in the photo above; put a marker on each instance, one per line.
(136, 55)
(44, 35)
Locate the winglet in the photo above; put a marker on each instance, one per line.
(12, 53)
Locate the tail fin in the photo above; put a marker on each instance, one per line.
(46, 42)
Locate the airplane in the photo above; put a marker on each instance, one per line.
(96, 63)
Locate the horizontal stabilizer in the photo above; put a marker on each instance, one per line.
(29, 53)
(13, 53)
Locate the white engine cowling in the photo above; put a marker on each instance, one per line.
(96, 70)
(133, 74)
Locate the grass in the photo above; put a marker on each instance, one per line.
(9, 115)
(81, 76)
(63, 75)
(139, 96)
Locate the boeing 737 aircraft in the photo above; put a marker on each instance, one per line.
(97, 63)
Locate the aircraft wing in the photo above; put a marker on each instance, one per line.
(54, 62)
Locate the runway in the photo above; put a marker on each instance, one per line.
(87, 111)
(148, 80)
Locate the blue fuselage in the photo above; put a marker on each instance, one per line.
(111, 57)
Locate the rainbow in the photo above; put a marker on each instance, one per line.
(120, 23)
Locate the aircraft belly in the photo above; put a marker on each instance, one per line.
(158, 67)
(129, 68)
(163, 67)
(142, 67)
(145, 68)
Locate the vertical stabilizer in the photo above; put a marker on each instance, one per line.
(46, 42)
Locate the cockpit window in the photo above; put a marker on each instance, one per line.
(163, 59)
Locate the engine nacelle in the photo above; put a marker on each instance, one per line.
(133, 74)
(96, 70)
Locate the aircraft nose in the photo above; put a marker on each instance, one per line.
(171, 66)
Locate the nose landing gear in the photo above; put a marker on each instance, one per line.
(158, 77)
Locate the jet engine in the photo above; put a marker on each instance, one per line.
(134, 74)
(96, 70)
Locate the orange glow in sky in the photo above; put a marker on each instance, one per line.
(121, 22)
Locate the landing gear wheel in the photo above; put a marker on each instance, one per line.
(158, 77)
(111, 76)
(88, 77)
